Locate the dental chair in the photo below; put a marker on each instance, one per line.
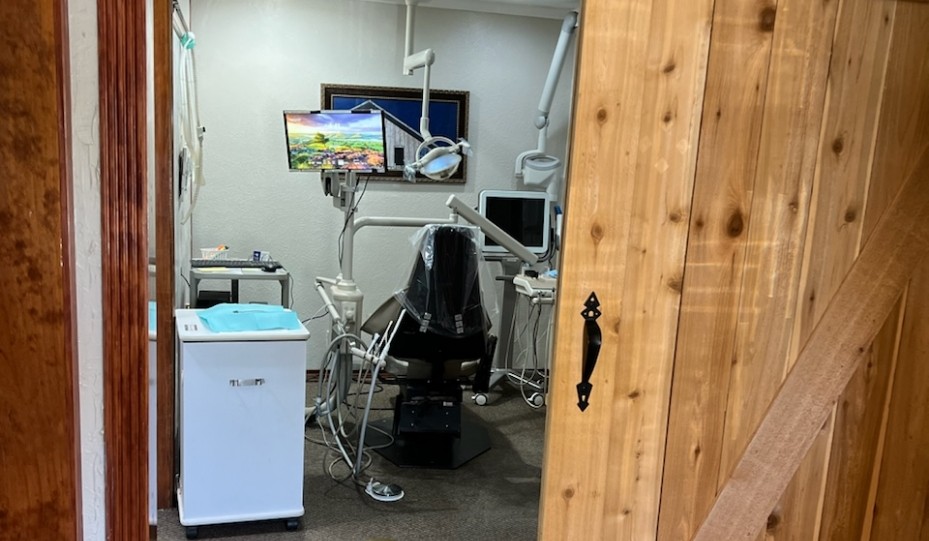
(441, 345)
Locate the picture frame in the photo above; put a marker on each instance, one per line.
(402, 107)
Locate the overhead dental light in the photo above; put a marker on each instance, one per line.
(437, 157)
(536, 167)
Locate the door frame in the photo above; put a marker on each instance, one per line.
(122, 60)
(163, 76)
(40, 480)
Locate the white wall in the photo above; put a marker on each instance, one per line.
(86, 161)
(257, 58)
(183, 229)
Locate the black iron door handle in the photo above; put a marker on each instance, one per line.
(593, 338)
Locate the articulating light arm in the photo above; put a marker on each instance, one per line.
(554, 70)
(423, 59)
(436, 157)
(436, 161)
(568, 24)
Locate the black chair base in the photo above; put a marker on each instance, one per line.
(436, 451)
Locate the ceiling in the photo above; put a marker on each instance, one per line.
(554, 9)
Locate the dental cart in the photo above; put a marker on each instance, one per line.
(242, 397)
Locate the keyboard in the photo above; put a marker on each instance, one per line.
(231, 263)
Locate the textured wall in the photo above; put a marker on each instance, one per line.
(86, 151)
(256, 59)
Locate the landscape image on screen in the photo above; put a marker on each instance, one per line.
(342, 140)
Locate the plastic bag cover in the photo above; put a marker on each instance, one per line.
(443, 293)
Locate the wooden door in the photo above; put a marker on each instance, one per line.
(730, 160)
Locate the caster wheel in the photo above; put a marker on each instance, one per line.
(292, 524)
(537, 399)
(480, 399)
(192, 532)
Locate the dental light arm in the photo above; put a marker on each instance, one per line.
(554, 71)
(408, 38)
(423, 59)
(491, 229)
(438, 162)
(568, 24)
(434, 161)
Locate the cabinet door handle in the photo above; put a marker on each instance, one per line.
(246, 382)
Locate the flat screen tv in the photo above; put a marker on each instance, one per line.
(335, 140)
(524, 215)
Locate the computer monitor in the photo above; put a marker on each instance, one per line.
(335, 140)
(523, 215)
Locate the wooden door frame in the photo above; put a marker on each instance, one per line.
(163, 36)
(121, 38)
(40, 479)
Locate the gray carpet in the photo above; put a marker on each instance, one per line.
(495, 496)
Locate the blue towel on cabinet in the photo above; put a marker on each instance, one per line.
(228, 317)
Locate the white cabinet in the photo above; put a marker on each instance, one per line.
(242, 398)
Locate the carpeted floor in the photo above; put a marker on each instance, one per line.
(495, 496)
